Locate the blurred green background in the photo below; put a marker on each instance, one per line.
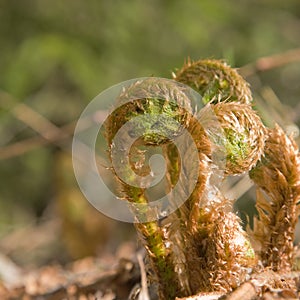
(57, 55)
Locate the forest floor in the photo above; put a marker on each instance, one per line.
(112, 276)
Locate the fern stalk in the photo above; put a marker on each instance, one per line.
(142, 102)
(277, 176)
(219, 252)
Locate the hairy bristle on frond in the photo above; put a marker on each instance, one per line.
(178, 228)
(278, 176)
(217, 249)
(150, 99)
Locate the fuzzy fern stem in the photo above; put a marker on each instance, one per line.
(217, 243)
(160, 121)
(277, 176)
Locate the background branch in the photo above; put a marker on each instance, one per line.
(267, 63)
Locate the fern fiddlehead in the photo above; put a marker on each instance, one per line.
(164, 110)
(210, 218)
(200, 246)
(194, 241)
(277, 176)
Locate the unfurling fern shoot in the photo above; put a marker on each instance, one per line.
(201, 245)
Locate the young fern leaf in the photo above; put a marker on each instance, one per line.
(218, 252)
(215, 81)
(201, 246)
(230, 96)
(155, 128)
(277, 176)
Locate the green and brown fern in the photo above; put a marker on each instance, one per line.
(202, 246)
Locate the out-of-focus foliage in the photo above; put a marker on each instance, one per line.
(57, 55)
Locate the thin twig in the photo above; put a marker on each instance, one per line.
(29, 144)
(144, 295)
(48, 132)
(270, 62)
(38, 122)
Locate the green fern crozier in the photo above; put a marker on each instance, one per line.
(201, 246)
